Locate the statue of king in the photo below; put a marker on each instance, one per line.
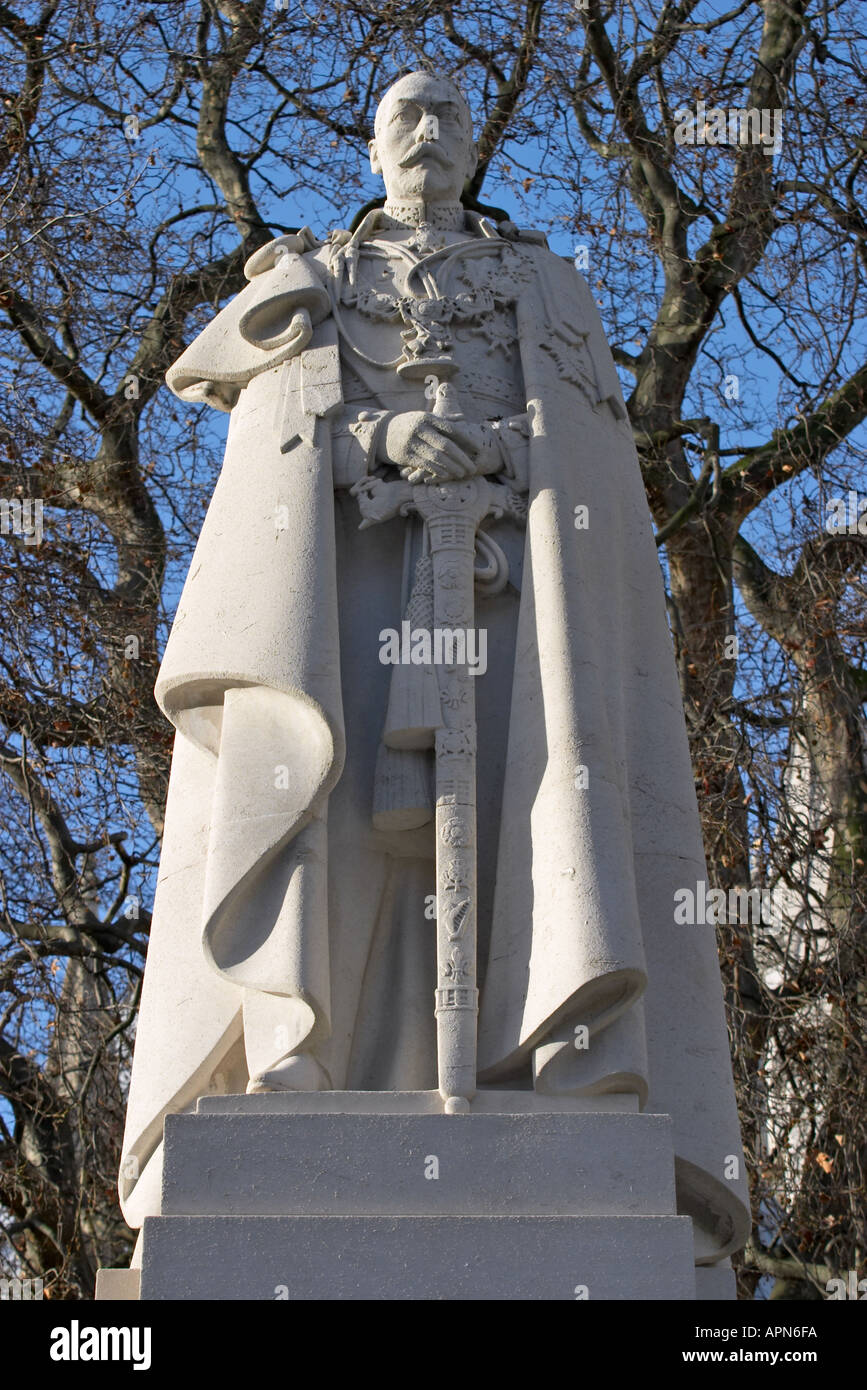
(431, 797)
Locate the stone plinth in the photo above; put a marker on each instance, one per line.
(375, 1196)
(118, 1285)
(417, 1257)
(418, 1165)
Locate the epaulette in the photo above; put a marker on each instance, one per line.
(268, 255)
(531, 235)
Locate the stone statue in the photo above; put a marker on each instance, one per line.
(424, 692)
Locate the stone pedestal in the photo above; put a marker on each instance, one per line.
(381, 1196)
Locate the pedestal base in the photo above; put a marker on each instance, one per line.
(417, 1257)
(382, 1196)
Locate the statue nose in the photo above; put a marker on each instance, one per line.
(427, 129)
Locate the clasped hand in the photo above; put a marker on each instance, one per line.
(429, 448)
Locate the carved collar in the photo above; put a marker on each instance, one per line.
(439, 217)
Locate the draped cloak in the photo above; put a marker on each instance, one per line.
(598, 826)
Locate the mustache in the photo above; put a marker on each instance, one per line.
(427, 149)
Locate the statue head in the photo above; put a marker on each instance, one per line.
(423, 140)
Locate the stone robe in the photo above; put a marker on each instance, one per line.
(279, 897)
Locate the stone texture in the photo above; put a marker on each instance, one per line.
(118, 1285)
(332, 1165)
(716, 1283)
(434, 1257)
(485, 1102)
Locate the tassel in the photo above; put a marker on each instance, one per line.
(414, 712)
(403, 797)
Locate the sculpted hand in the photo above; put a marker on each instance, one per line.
(428, 448)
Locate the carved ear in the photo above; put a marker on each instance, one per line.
(473, 159)
(375, 162)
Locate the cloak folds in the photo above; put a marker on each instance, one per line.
(599, 824)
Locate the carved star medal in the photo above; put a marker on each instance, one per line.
(425, 239)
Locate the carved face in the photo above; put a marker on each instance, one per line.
(424, 145)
